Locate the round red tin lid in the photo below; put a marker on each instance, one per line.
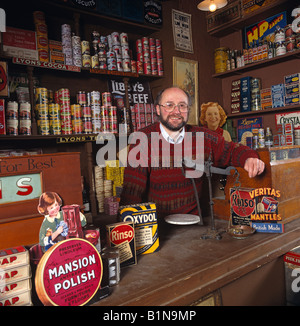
(69, 273)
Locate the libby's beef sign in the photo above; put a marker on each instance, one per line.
(256, 207)
(69, 273)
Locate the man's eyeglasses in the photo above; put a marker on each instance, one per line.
(170, 106)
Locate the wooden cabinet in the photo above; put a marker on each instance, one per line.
(54, 77)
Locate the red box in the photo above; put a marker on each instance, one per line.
(20, 43)
(2, 117)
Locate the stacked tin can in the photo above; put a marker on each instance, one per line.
(94, 55)
(255, 94)
(160, 67)
(86, 54)
(54, 119)
(140, 57)
(146, 56)
(106, 103)
(292, 38)
(280, 47)
(66, 39)
(76, 118)
(62, 97)
(12, 114)
(41, 36)
(76, 51)
(149, 56)
(25, 118)
(153, 57)
(41, 110)
(86, 114)
(95, 102)
(125, 53)
(102, 51)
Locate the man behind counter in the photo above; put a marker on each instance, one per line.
(167, 186)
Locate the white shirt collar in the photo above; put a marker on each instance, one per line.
(170, 140)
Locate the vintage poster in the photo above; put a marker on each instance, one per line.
(245, 126)
(182, 31)
(265, 29)
(288, 117)
(138, 92)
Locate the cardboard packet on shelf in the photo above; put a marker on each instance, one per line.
(13, 257)
(122, 235)
(21, 299)
(11, 289)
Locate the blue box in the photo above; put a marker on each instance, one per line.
(246, 85)
(278, 94)
(290, 79)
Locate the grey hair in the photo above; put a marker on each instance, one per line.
(159, 95)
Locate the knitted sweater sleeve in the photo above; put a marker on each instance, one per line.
(228, 153)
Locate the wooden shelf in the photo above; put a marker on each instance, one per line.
(254, 17)
(260, 64)
(67, 68)
(73, 138)
(259, 112)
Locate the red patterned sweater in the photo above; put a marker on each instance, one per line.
(167, 186)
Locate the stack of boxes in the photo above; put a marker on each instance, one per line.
(266, 98)
(292, 84)
(245, 94)
(236, 96)
(277, 95)
(55, 52)
(285, 135)
(15, 277)
(41, 36)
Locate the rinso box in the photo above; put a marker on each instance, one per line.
(122, 235)
(144, 217)
(241, 206)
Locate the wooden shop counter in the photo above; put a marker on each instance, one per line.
(282, 168)
(188, 269)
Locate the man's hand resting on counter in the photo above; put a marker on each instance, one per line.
(254, 167)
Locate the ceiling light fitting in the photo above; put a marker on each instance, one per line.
(211, 5)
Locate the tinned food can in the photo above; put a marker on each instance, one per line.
(12, 110)
(41, 95)
(25, 127)
(25, 111)
(43, 127)
(220, 58)
(106, 99)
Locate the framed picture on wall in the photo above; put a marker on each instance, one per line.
(185, 76)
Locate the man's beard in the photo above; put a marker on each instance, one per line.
(171, 127)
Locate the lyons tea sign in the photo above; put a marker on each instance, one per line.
(69, 273)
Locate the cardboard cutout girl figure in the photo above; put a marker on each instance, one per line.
(53, 228)
(213, 117)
